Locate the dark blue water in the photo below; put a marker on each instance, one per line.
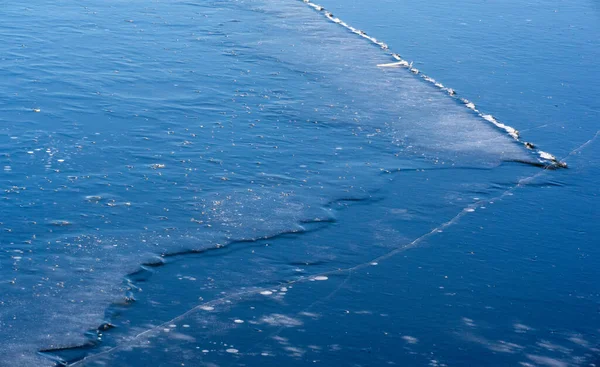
(239, 183)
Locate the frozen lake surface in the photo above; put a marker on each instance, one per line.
(277, 182)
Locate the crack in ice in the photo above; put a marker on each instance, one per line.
(543, 156)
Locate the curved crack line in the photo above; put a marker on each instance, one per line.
(247, 293)
(255, 291)
(584, 145)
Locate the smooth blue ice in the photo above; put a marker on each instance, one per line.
(181, 163)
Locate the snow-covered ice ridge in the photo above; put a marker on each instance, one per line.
(544, 157)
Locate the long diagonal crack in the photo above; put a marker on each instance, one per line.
(544, 157)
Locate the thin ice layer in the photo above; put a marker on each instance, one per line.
(136, 131)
